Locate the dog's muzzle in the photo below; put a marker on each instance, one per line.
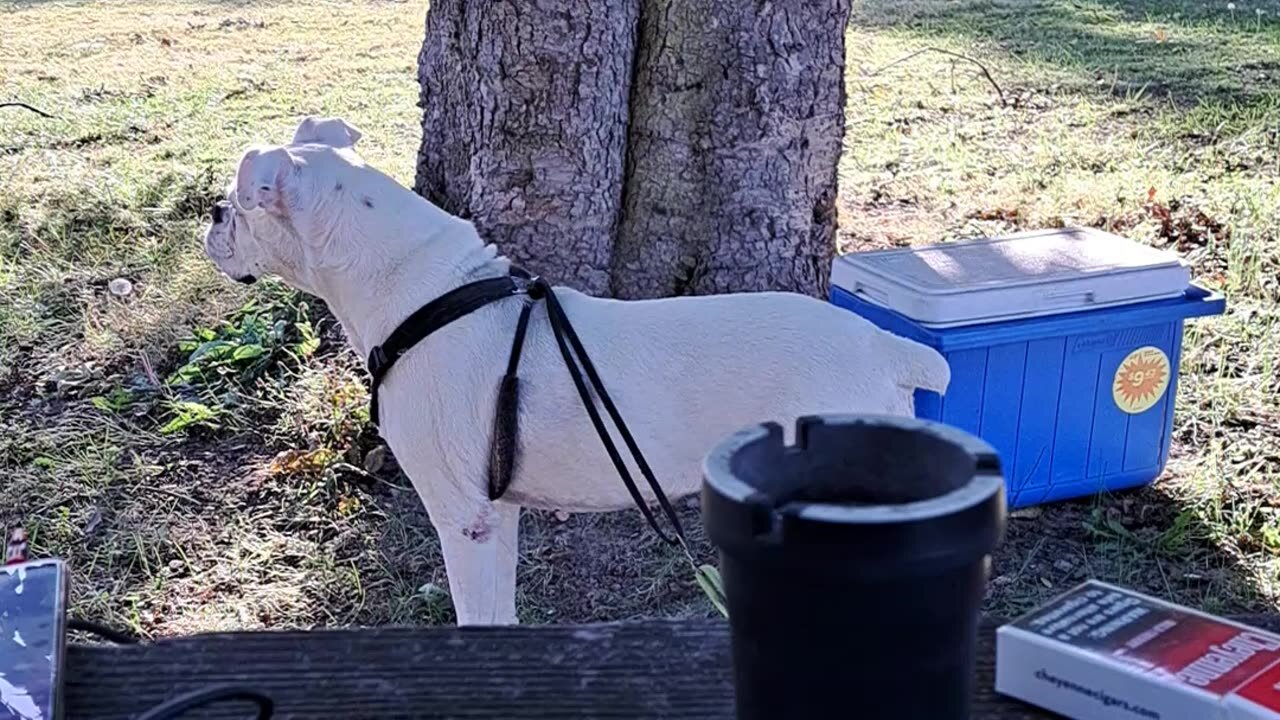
(218, 244)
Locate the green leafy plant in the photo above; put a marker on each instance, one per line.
(115, 401)
(187, 414)
(228, 361)
(1269, 531)
(308, 342)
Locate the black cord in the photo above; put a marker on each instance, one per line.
(119, 637)
(176, 707)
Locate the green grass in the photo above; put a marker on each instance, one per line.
(1160, 121)
(141, 434)
(201, 452)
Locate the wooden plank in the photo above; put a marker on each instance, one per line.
(608, 671)
(652, 669)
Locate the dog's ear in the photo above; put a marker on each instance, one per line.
(263, 179)
(334, 132)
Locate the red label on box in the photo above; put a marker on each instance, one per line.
(1161, 639)
(1264, 689)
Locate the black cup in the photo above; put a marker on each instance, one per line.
(854, 564)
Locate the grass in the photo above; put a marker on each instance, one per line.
(1160, 121)
(201, 452)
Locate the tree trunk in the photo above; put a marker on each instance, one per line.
(524, 126)
(713, 171)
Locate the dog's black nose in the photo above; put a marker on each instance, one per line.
(218, 212)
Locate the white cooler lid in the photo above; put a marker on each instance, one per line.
(1028, 274)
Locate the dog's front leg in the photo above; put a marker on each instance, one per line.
(479, 541)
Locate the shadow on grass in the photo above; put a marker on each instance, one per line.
(1149, 540)
(589, 568)
(1189, 539)
(607, 566)
(1184, 50)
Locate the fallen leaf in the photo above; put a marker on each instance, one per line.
(376, 458)
(348, 505)
(95, 519)
(708, 577)
(431, 591)
(297, 462)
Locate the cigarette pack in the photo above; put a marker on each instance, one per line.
(1101, 652)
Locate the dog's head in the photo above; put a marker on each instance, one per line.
(286, 205)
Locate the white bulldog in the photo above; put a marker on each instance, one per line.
(684, 372)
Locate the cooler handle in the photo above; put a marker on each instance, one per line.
(876, 294)
(1071, 299)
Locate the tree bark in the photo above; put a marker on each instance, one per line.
(524, 126)
(641, 148)
(737, 118)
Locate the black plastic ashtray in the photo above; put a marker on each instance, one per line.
(854, 564)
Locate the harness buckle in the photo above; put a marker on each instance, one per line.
(527, 283)
(534, 287)
(378, 360)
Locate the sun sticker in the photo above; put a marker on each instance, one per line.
(1141, 380)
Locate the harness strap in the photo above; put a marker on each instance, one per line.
(535, 289)
(564, 330)
(429, 318)
(503, 442)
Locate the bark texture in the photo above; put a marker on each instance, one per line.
(524, 126)
(737, 118)
(640, 148)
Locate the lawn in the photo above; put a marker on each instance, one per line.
(201, 451)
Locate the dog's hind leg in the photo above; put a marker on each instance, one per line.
(480, 559)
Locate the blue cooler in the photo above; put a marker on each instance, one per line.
(1064, 348)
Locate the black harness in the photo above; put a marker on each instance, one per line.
(465, 300)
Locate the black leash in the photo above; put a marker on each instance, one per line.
(464, 300)
(429, 318)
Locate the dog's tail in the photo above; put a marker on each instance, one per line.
(919, 366)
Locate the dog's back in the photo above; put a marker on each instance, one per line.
(686, 372)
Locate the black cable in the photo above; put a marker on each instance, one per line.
(176, 707)
(119, 637)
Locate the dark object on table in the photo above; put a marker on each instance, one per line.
(854, 565)
(32, 639)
